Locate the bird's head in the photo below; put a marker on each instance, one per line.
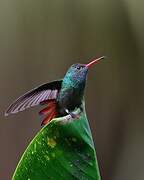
(77, 73)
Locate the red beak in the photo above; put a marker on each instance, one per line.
(95, 61)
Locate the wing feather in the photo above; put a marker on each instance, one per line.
(48, 91)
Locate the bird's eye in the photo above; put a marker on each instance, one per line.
(79, 67)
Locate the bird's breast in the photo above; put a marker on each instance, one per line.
(69, 99)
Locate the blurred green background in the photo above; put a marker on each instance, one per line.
(39, 40)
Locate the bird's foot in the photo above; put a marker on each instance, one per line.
(73, 114)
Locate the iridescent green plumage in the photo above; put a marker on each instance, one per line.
(72, 90)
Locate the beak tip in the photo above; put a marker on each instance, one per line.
(94, 61)
(103, 57)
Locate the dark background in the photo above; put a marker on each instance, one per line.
(39, 40)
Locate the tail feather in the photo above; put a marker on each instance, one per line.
(48, 118)
(50, 112)
(46, 110)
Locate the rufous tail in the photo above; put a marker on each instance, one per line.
(50, 111)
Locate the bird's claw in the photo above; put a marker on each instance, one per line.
(74, 116)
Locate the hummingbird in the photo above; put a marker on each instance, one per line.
(61, 97)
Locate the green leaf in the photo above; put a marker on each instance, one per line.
(60, 151)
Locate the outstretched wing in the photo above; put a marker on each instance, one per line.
(48, 91)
